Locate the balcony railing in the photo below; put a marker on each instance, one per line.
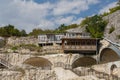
(76, 37)
(49, 41)
(75, 47)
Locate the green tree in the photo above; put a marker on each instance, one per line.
(62, 28)
(95, 25)
(16, 32)
(23, 33)
(35, 32)
(10, 30)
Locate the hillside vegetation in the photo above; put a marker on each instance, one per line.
(10, 30)
(112, 10)
(95, 25)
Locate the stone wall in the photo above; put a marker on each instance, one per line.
(36, 74)
(31, 74)
(10, 75)
(17, 59)
(52, 49)
(22, 40)
(106, 68)
(2, 42)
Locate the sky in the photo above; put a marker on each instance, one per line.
(49, 14)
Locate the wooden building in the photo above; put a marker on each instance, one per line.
(86, 46)
(75, 40)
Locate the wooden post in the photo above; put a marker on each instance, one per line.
(62, 44)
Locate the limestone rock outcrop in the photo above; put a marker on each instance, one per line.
(22, 40)
(113, 21)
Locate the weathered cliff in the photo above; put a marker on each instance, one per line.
(112, 30)
(22, 40)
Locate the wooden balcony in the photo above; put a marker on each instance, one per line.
(49, 41)
(80, 45)
(80, 48)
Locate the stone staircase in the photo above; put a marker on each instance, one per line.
(100, 75)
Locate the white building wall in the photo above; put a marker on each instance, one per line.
(56, 38)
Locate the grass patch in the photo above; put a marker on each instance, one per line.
(31, 47)
(14, 48)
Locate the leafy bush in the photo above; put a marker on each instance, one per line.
(31, 47)
(10, 30)
(111, 29)
(62, 28)
(112, 10)
(118, 36)
(14, 48)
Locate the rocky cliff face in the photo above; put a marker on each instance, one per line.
(113, 22)
(22, 40)
(2, 43)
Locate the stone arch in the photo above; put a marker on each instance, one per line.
(41, 62)
(84, 62)
(109, 55)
